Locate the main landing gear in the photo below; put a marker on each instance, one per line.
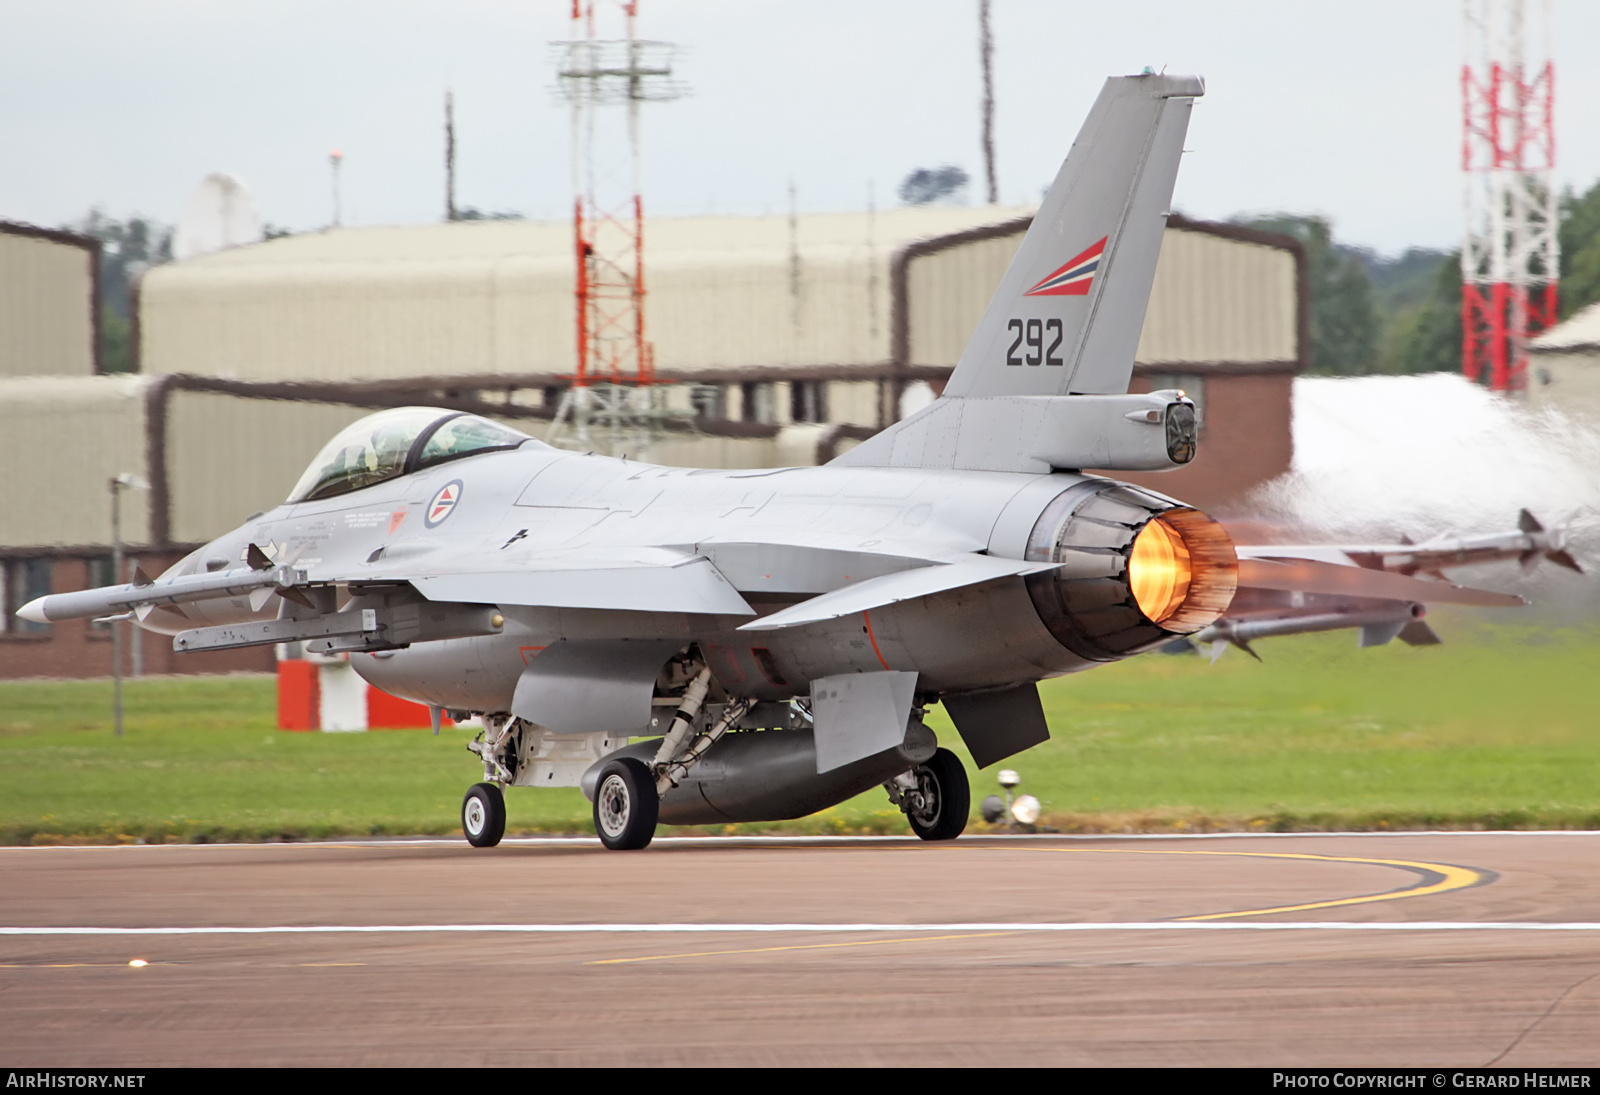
(767, 774)
(626, 805)
(935, 796)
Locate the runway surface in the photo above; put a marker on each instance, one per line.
(1428, 950)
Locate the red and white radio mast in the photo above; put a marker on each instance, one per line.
(615, 367)
(1510, 262)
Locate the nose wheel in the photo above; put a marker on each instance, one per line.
(483, 815)
(937, 808)
(626, 805)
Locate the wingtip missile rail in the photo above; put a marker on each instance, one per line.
(114, 600)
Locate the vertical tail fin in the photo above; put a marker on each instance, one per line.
(1067, 316)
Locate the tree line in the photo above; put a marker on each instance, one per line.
(1375, 314)
(127, 249)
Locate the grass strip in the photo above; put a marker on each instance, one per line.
(1496, 730)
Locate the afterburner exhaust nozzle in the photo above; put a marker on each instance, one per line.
(1183, 570)
(1135, 569)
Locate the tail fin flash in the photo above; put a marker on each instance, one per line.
(1068, 313)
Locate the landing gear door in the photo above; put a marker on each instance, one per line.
(859, 714)
(592, 687)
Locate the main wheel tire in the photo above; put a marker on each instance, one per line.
(626, 805)
(483, 815)
(946, 796)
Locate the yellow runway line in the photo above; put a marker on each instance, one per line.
(1447, 877)
(797, 947)
(64, 965)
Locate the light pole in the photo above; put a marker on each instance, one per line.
(335, 159)
(125, 481)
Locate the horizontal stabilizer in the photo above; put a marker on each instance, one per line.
(1312, 576)
(877, 592)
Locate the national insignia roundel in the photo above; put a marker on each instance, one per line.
(443, 504)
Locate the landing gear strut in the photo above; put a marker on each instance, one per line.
(483, 815)
(935, 796)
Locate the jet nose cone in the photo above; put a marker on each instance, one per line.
(34, 611)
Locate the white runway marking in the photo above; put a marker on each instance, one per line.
(733, 929)
(714, 841)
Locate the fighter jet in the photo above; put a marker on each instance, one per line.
(775, 636)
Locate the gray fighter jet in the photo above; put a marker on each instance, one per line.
(777, 634)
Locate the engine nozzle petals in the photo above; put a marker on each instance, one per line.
(1134, 569)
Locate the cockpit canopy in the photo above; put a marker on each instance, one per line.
(398, 442)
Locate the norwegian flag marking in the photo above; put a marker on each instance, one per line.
(1073, 278)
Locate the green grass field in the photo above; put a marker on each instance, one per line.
(1498, 729)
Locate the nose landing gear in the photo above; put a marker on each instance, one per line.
(483, 815)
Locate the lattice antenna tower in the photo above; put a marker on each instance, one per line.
(611, 401)
(1510, 261)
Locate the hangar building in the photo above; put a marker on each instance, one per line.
(1564, 365)
(781, 340)
(49, 302)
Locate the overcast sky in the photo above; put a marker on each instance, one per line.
(1348, 109)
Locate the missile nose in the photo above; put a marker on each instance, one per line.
(34, 611)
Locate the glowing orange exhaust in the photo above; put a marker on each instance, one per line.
(1183, 570)
(1159, 571)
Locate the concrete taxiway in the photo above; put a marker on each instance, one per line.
(1429, 950)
